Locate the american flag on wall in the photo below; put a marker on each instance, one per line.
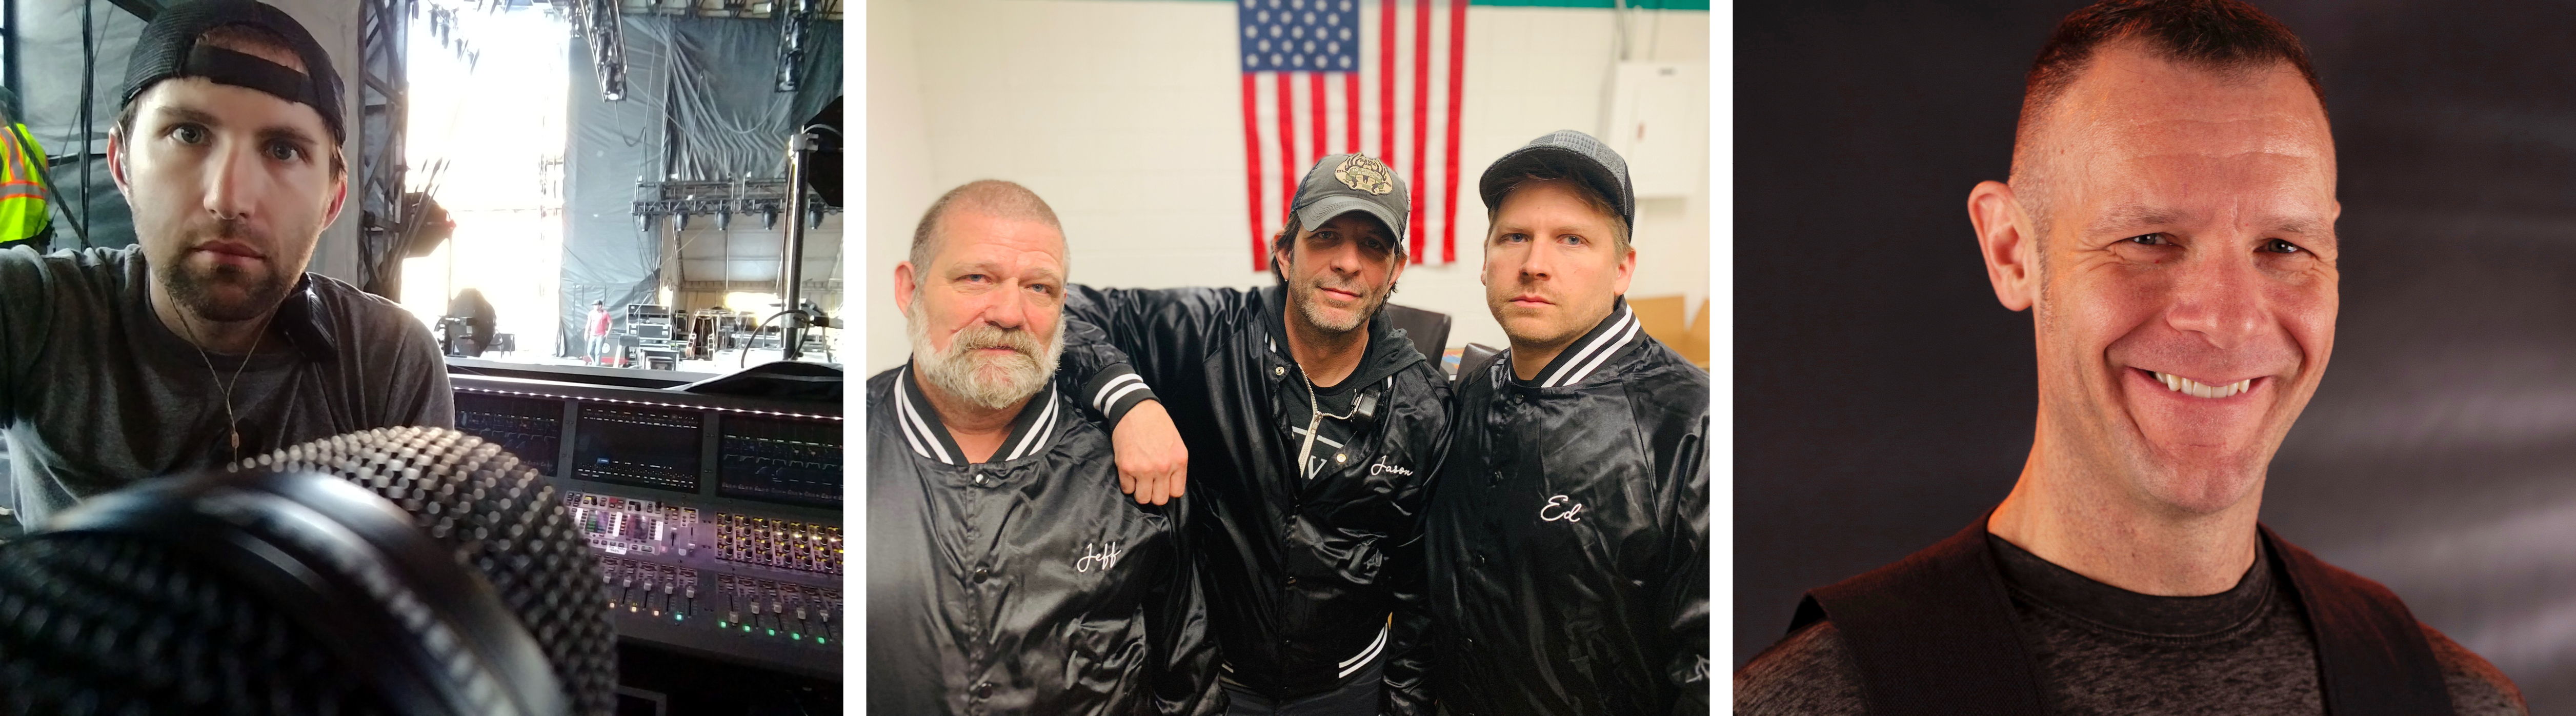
(1332, 76)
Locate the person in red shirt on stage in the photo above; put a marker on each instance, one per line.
(598, 331)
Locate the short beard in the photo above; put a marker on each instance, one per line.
(196, 293)
(1304, 298)
(992, 383)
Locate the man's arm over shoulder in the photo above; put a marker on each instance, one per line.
(1809, 673)
(1118, 344)
(2477, 687)
(1160, 337)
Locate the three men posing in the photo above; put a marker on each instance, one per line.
(1338, 576)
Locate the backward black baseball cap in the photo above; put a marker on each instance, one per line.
(169, 49)
(1565, 153)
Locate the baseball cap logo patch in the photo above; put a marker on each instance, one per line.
(1365, 174)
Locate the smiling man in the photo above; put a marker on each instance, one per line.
(1006, 574)
(1309, 426)
(2169, 222)
(206, 341)
(1568, 529)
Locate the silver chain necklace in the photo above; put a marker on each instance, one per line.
(1315, 426)
(232, 423)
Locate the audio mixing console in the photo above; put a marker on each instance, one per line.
(716, 520)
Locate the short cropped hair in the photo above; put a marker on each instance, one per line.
(2222, 35)
(989, 197)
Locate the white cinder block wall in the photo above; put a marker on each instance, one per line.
(1126, 116)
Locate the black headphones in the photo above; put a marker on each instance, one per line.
(354, 571)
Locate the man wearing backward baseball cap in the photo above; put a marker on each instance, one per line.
(1310, 425)
(205, 342)
(1568, 534)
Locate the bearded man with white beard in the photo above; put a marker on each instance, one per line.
(1006, 571)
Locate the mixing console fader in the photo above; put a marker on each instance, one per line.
(716, 520)
(748, 582)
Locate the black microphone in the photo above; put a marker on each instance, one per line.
(399, 571)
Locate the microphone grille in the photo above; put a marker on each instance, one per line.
(499, 517)
(114, 624)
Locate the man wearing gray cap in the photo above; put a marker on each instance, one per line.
(1311, 426)
(205, 342)
(1568, 538)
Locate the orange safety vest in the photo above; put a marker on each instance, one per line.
(22, 185)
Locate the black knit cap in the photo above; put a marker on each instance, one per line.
(168, 48)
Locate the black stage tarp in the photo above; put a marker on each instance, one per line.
(700, 104)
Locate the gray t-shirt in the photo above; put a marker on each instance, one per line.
(96, 393)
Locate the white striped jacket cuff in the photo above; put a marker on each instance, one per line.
(1114, 391)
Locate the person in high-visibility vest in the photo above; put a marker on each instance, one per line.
(23, 217)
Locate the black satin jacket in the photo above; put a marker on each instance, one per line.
(1568, 534)
(1025, 584)
(1309, 577)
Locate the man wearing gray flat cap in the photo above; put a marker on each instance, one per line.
(1568, 532)
(1310, 425)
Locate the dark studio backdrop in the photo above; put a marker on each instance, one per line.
(1884, 399)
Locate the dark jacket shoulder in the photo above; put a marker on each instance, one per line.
(2477, 687)
(1810, 672)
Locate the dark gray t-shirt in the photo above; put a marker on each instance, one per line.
(2101, 649)
(96, 393)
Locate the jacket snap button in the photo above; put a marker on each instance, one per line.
(1278, 370)
(982, 574)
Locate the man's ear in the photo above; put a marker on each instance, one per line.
(339, 196)
(1279, 257)
(2007, 243)
(1627, 270)
(116, 162)
(905, 279)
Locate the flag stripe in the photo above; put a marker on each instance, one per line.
(1315, 110)
(1386, 81)
(1457, 86)
(1351, 110)
(1421, 116)
(1287, 142)
(1252, 169)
